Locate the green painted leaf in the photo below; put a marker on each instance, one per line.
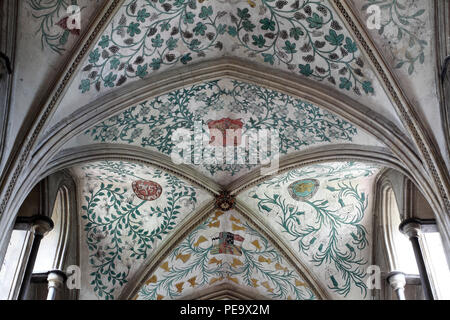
(306, 70)
(315, 21)
(334, 39)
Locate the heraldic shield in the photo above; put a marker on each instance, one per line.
(227, 244)
(147, 190)
(304, 189)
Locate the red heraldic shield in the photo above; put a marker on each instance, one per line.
(147, 190)
(63, 24)
(223, 125)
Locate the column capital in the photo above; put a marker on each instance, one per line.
(56, 278)
(397, 280)
(411, 228)
(42, 225)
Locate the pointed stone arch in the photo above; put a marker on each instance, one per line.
(147, 275)
(328, 99)
(24, 163)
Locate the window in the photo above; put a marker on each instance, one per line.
(14, 264)
(52, 254)
(437, 265)
(400, 251)
(53, 245)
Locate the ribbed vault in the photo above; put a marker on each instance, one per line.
(210, 105)
(150, 234)
(306, 69)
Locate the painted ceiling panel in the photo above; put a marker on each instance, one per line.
(404, 31)
(152, 124)
(406, 38)
(304, 37)
(324, 212)
(43, 45)
(225, 249)
(55, 31)
(154, 35)
(127, 210)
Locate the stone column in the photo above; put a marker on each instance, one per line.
(412, 229)
(41, 225)
(397, 280)
(56, 279)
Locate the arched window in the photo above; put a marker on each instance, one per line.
(53, 246)
(57, 251)
(434, 255)
(400, 255)
(53, 251)
(11, 271)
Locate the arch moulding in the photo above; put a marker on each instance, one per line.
(135, 93)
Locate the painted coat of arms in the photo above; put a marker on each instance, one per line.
(227, 244)
(304, 189)
(224, 125)
(63, 24)
(147, 190)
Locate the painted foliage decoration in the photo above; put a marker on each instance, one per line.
(329, 230)
(302, 36)
(123, 228)
(152, 124)
(403, 28)
(53, 21)
(196, 264)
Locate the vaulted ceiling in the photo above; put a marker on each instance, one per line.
(204, 260)
(305, 38)
(152, 124)
(147, 234)
(117, 90)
